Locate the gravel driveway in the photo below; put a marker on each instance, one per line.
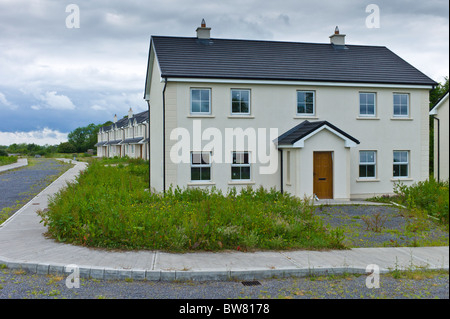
(382, 226)
(20, 185)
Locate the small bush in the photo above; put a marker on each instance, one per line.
(430, 196)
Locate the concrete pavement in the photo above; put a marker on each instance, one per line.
(23, 245)
(20, 162)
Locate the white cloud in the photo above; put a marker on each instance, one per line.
(97, 107)
(5, 102)
(40, 137)
(57, 102)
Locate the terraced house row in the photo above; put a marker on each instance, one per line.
(125, 137)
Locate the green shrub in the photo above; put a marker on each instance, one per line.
(5, 160)
(108, 207)
(430, 196)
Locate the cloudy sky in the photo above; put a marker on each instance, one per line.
(54, 79)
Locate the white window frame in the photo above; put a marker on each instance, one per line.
(374, 104)
(208, 165)
(209, 101)
(249, 102)
(401, 163)
(314, 103)
(407, 105)
(240, 165)
(374, 164)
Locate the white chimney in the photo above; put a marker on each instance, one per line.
(203, 32)
(130, 113)
(336, 38)
(115, 118)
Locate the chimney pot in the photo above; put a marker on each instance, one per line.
(203, 32)
(337, 38)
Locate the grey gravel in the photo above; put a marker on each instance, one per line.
(22, 184)
(396, 226)
(427, 284)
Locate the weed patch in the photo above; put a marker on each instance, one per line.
(109, 207)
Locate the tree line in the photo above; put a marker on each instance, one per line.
(80, 140)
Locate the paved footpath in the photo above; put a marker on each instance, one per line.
(23, 245)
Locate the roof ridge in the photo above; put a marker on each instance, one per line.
(266, 41)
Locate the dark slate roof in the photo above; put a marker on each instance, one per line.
(114, 142)
(135, 140)
(123, 122)
(100, 144)
(291, 61)
(303, 129)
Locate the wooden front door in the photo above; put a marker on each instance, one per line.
(323, 174)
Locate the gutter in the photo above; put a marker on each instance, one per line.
(438, 148)
(148, 150)
(281, 169)
(164, 133)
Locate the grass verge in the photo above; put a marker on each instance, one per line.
(6, 160)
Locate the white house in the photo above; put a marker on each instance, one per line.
(333, 120)
(441, 142)
(125, 137)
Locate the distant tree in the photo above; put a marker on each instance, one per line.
(66, 147)
(84, 138)
(3, 152)
(438, 92)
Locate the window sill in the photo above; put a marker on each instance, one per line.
(401, 118)
(359, 180)
(401, 179)
(241, 182)
(241, 117)
(367, 118)
(201, 183)
(201, 116)
(306, 117)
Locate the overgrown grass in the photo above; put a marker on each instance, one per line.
(6, 160)
(108, 206)
(429, 198)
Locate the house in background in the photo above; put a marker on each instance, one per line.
(352, 120)
(125, 137)
(440, 114)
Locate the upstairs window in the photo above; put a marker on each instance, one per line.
(201, 101)
(366, 104)
(305, 103)
(401, 105)
(240, 101)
